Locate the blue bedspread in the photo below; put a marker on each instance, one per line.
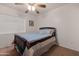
(32, 37)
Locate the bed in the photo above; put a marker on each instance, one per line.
(30, 39)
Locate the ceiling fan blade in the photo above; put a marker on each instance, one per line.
(37, 12)
(41, 5)
(26, 11)
(19, 3)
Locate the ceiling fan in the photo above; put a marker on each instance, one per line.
(32, 6)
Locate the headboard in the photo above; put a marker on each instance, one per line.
(54, 33)
(47, 28)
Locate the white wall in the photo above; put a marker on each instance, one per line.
(66, 20)
(12, 21)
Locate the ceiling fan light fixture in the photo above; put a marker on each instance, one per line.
(33, 8)
(29, 8)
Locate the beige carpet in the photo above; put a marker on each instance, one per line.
(8, 51)
(61, 51)
(54, 51)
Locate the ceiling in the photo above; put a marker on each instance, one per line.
(23, 8)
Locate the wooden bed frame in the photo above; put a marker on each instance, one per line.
(23, 43)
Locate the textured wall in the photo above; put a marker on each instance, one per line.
(66, 20)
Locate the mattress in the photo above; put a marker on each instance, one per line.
(32, 37)
(40, 48)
